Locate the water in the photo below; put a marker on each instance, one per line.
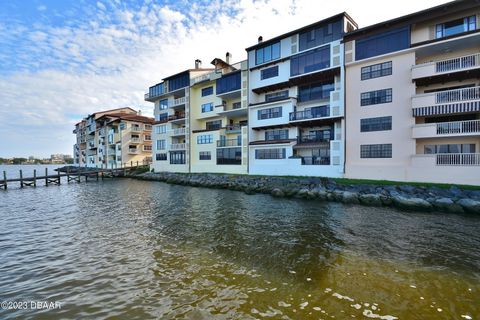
(13, 170)
(139, 250)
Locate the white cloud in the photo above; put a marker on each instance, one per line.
(112, 59)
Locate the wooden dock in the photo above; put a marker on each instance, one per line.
(77, 175)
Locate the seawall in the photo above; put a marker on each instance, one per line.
(406, 197)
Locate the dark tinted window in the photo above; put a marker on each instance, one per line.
(315, 91)
(382, 43)
(310, 61)
(269, 72)
(207, 91)
(320, 35)
(180, 81)
(229, 82)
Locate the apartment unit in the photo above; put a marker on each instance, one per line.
(218, 118)
(296, 101)
(113, 138)
(413, 97)
(171, 134)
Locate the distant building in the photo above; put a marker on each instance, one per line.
(113, 138)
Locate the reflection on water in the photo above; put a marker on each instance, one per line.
(138, 249)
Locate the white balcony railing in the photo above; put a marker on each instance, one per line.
(203, 77)
(458, 159)
(179, 131)
(177, 102)
(447, 65)
(455, 128)
(445, 97)
(132, 150)
(133, 139)
(177, 146)
(136, 128)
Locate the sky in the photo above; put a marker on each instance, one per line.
(62, 60)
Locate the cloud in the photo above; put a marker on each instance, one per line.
(109, 55)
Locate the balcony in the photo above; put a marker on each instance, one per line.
(135, 140)
(234, 128)
(446, 97)
(133, 150)
(91, 145)
(177, 102)
(202, 78)
(136, 128)
(229, 143)
(447, 159)
(178, 132)
(447, 66)
(312, 139)
(310, 113)
(177, 146)
(315, 161)
(446, 129)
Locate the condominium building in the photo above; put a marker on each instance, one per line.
(80, 147)
(413, 97)
(113, 138)
(218, 118)
(171, 134)
(296, 101)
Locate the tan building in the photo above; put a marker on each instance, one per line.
(218, 119)
(114, 138)
(413, 97)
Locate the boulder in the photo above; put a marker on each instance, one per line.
(447, 204)
(350, 197)
(412, 203)
(370, 200)
(470, 205)
(303, 193)
(277, 193)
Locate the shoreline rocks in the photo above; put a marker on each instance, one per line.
(404, 197)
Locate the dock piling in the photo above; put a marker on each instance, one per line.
(46, 177)
(21, 179)
(4, 184)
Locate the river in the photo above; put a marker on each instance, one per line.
(148, 250)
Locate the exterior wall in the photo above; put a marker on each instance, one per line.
(426, 31)
(403, 146)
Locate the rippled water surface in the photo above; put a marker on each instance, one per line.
(139, 250)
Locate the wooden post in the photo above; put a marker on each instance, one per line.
(34, 177)
(59, 177)
(97, 175)
(68, 175)
(137, 163)
(5, 180)
(131, 164)
(46, 177)
(21, 179)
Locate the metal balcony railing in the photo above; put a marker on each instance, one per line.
(458, 63)
(229, 143)
(177, 146)
(458, 159)
(310, 114)
(458, 127)
(464, 94)
(312, 138)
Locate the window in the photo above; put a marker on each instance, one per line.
(163, 104)
(177, 157)
(204, 155)
(267, 53)
(161, 129)
(280, 95)
(147, 148)
(383, 43)
(161, 144)
(207, 91)
(213, 125)
(156, 90)
(236, 105)
(148, 127)
(274, 153)
(377, 70)
(270, 113)
(310, 61)
(229, 156)
(376, 97)
(280, 134)
(147, 137)
(456, 26)
(320, 35)
(376, 124)
(205, 139)
(316, 91)
(180, 81)
(376, 150)
(229, 82)
(161, 156)
(269, 73)
(123, 126)
(207, 107)
(163, 116)
(449, 148)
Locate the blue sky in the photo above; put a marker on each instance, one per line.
(61, 60)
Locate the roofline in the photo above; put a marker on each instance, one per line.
(406, 19)
(184, 71)
(334, 17)
(121, 117)
(110, 110)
